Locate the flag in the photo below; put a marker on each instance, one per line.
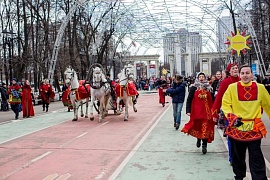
(133, 43)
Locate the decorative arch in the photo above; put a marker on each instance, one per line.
(80, 3)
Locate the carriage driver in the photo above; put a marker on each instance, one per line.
(112, 85)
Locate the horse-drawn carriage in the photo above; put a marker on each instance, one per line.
(99, 93)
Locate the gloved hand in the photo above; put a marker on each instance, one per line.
(238, 122)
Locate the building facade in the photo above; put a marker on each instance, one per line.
(175, 45)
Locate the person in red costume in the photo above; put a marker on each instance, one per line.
(242, 104)
(161, 84)
(65, 96)
(46, 93)
(198, 107)
(234, 77)
(27, 103)
(14, 91)
(232, 68)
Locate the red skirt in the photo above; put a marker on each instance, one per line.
(200, 128)
(161, 96)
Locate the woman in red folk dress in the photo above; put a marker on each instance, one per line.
(46, 93)
(198, 107)
(27, 100)
(161, 84)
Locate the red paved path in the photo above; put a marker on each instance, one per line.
(78, 150)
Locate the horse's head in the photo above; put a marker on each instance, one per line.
(126, 74)
(97, 75)
(129, 71)
(69, 75)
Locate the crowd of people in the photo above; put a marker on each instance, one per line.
(234, 100)
(19, 97)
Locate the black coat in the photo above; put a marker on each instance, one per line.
(177, 92)
(4, 93)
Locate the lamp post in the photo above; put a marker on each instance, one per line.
(8, 40)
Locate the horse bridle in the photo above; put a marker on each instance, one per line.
(127, 75)
(100, 83)
(70, 78)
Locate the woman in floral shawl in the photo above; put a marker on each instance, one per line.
(198, 107)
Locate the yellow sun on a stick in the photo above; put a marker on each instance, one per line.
(238, 42)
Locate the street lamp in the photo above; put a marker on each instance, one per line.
(8, 40)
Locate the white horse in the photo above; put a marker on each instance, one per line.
(124, 79)
(100, 90)
(72, 79)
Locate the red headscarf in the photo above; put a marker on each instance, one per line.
(230, 66)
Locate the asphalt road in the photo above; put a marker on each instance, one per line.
(88, 149)
(8, 116)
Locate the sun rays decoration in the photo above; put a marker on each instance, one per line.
(238, 42)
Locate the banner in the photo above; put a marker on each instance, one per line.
(152, 70)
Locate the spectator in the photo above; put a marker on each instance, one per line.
(266, 82)
(177, 92)
(151, 83)
(215, 83)
(4, 97)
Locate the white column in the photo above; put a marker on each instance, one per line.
(178, 58)
(147, 68)
(209, 65)
(188, 63)
(135, 70)
(171, 57)
(205, 66)
(201, 64)
(157, 69)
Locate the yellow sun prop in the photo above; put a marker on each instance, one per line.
(238, 42)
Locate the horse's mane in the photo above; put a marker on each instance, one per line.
(125, 67)
(68, 69)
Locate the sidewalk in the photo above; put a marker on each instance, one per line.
(165, 153)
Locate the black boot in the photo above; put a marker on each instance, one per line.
(47, 108)
(198, 144)
(43, 108)
(177, 126)
(204, 146)
(204, 149)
